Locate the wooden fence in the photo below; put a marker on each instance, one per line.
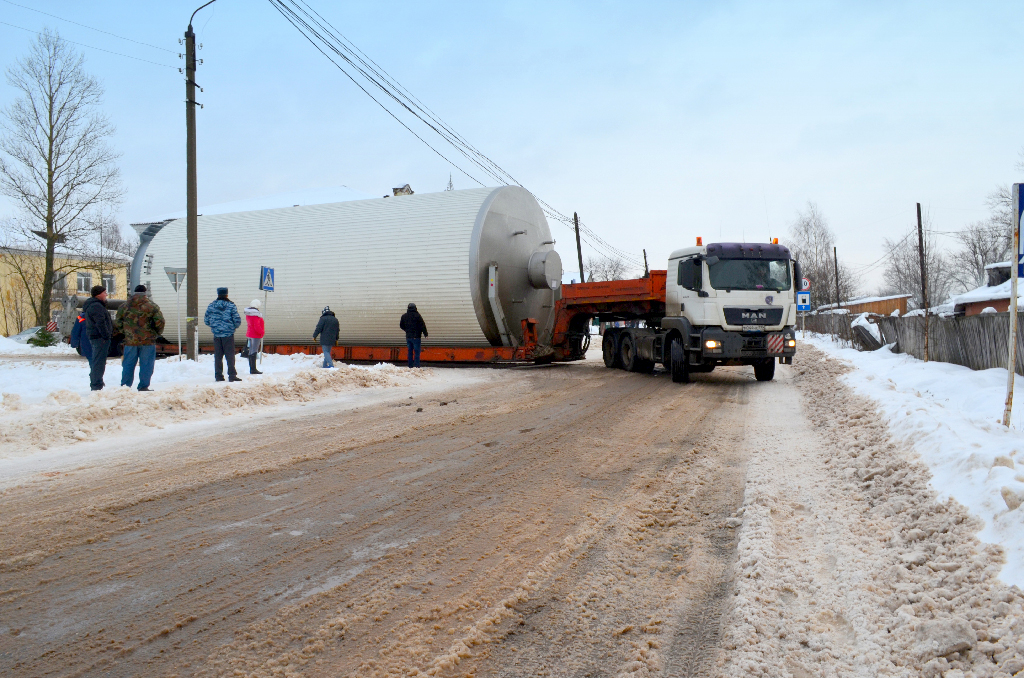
(978, 341)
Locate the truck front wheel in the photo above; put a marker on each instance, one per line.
(677, 362)
(765, 370)
(609, 350)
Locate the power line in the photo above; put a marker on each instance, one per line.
(80, 44)
(318, 31)
(98, 30)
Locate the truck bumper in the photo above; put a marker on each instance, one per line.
(746, 347)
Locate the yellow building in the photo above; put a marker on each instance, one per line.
(21, 282)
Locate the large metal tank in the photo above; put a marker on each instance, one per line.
(367, 259)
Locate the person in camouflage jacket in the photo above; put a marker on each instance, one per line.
(141, 322)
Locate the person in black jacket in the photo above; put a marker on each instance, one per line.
(412, 323)
(99, 328)
(327, 329)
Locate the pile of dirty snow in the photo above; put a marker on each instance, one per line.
(48, 402)
(9, 347)
(951, 416)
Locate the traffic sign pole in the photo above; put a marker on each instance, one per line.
(267, 285)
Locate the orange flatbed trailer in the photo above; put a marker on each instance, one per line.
(580, 302)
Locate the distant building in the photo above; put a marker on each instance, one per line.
(879, 305)
(995, 293)
(21, 274)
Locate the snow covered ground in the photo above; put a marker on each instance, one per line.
(951, 416)
(45, 401)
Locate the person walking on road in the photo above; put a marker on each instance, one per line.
(141, 322)
(412, 323)
(254, 330)
(99, 329)
(327, 329)
(223, 319)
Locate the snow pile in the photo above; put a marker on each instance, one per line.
(48, 403)
(951, 416)
(9, 347)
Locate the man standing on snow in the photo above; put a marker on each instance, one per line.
(254, 330)
(412, 323)
(99, 329)
(327, 329)
(141, 322)
(223, 319)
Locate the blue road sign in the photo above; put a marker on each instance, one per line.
(803, 301)
(266, 279)
(1018, 204)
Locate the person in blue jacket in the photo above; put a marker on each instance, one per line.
(80, 340)
(223, 319)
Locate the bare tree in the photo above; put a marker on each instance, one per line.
(604, 268)
(902, 273)
(811, 241)
(54, 158)
(981, 243)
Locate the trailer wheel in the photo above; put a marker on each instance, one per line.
(610, 351)
(677, 362)
(765, 370)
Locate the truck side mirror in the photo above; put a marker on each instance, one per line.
(797, 274)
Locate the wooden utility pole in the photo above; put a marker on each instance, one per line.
(835, 258)
(192, 199)
(1011, 361)
(924, 278)
(579, 247)
(647, 270)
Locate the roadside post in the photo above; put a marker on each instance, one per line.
(1016, 272)
(267, 285)
(177, 276)
(803, 304)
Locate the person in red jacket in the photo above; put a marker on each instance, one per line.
(254, 330)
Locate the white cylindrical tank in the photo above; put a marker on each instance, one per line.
(367, 260)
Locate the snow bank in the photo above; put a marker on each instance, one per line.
(9, 347)
(48, 402)
(951, 416)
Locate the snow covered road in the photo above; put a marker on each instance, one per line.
(565, 520)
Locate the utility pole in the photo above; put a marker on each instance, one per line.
(835, 258)
(924, 278)
(192, 199)
(579, 247)
(1011, 361)
(647, 270)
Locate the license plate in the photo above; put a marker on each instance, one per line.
(756, 328)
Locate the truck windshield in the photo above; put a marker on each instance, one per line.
(750, 274)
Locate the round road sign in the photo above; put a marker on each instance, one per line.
(805, 284)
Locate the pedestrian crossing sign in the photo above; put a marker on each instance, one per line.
(266, 279)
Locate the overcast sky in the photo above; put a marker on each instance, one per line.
(657, 122)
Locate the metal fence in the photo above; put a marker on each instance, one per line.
(978, 341)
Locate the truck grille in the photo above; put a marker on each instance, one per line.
(739, 315)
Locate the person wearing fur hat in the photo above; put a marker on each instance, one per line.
(254, 330)
(328, 330)
(223, 319)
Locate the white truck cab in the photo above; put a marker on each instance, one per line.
(725, 304)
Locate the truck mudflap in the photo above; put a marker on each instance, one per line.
(718, 344)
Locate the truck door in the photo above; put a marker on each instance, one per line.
(690, 280)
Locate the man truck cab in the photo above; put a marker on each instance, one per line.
(725, 304)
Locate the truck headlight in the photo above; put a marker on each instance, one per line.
(712, 344)
(791, 343)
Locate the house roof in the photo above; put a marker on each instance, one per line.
(98, 254)
(865, 300)
(984, 293)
